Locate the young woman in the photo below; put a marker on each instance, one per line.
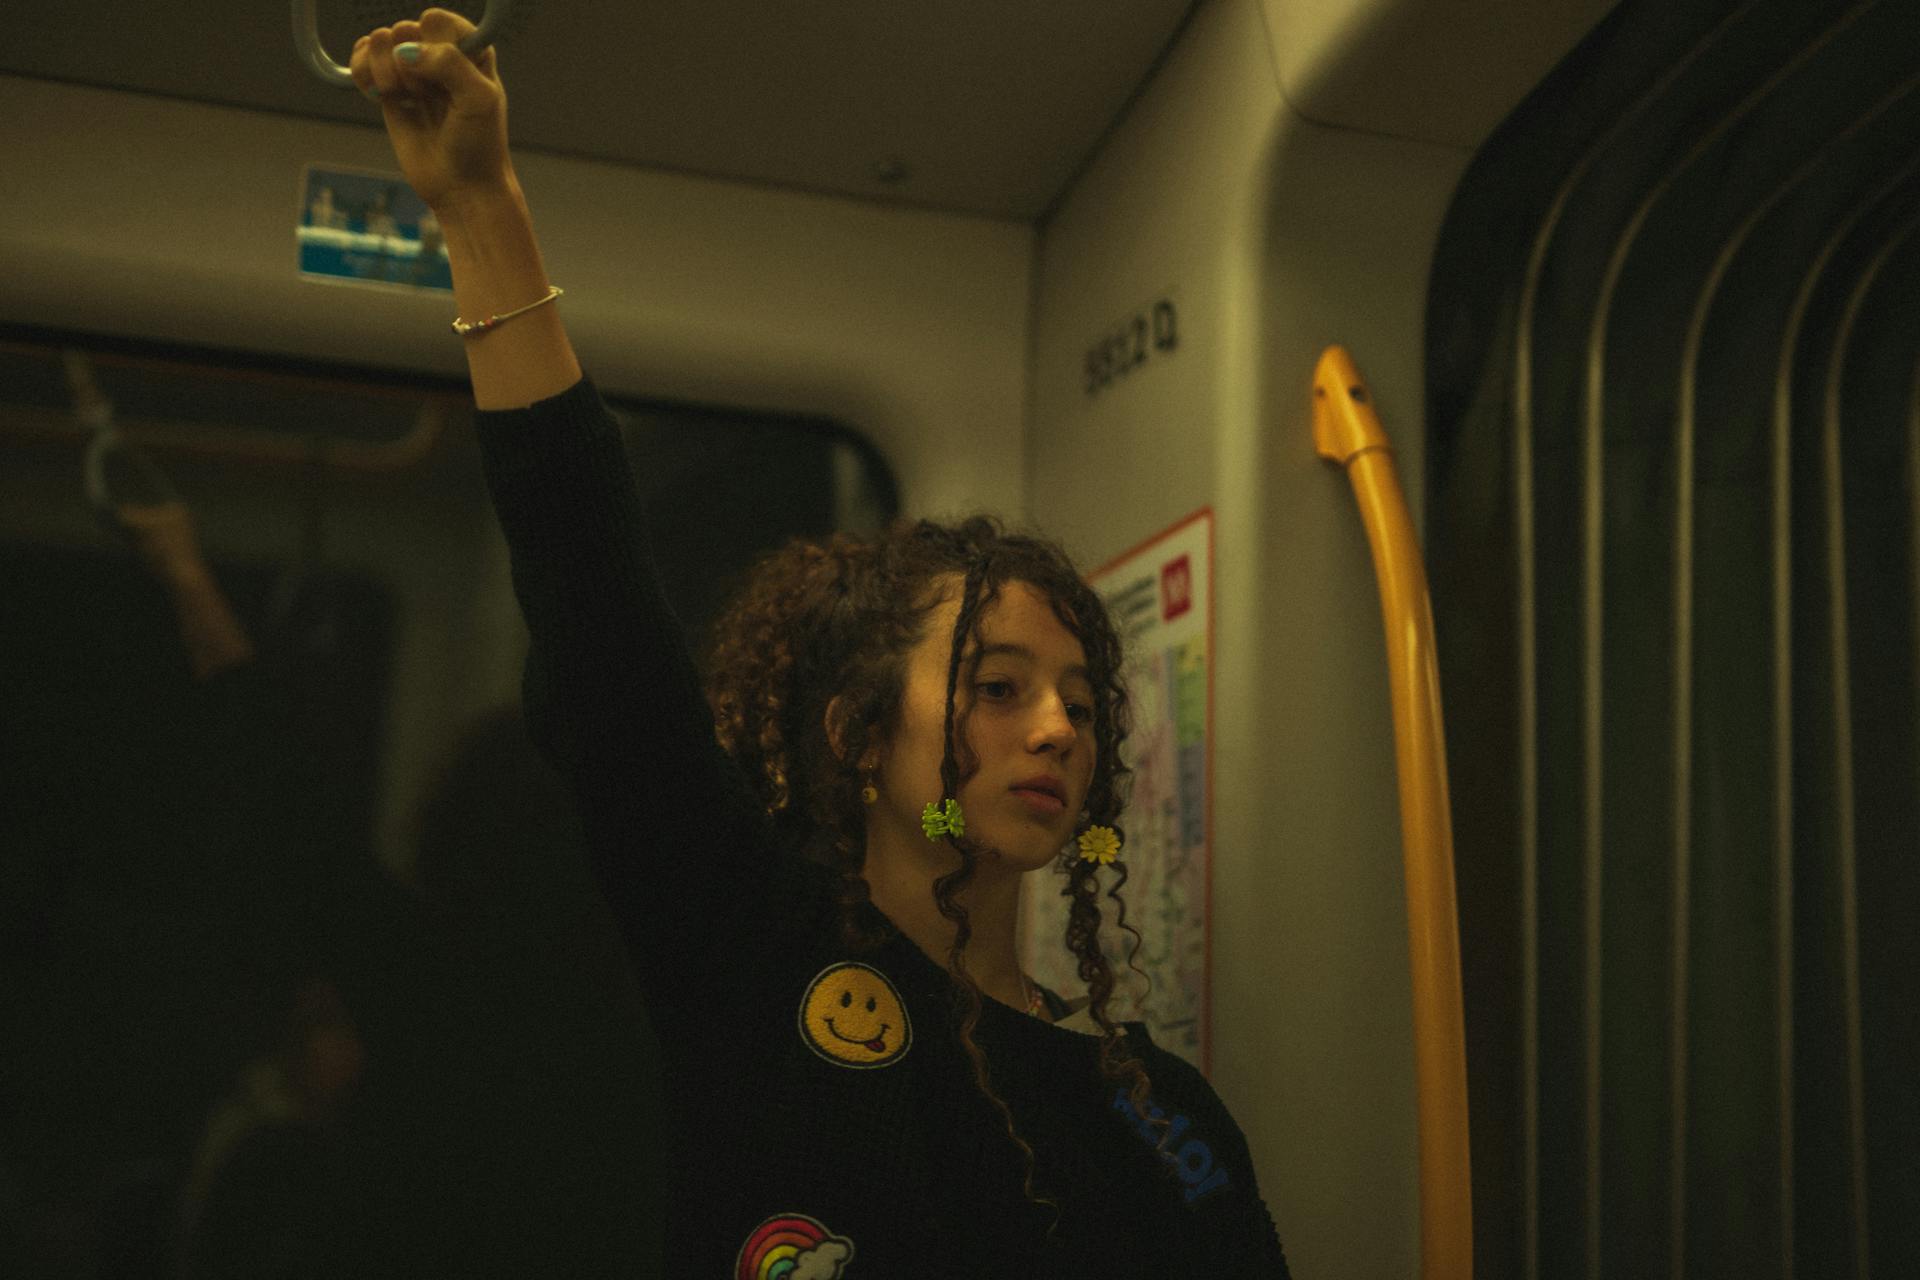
(815, 856)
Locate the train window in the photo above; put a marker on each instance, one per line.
(282, 814)
(720, 485)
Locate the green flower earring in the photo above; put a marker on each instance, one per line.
(937, 824)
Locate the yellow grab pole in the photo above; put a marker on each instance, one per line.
(1347, 431)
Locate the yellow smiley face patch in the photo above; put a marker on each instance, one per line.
(852, 1016)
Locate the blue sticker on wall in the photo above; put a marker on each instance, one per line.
(360, 226)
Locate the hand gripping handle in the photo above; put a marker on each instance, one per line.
(306, 38)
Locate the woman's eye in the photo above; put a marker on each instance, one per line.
(1086, 712)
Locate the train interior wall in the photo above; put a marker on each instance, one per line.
(1264, 181)
(1284, 179)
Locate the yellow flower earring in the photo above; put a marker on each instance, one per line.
(1099, 844)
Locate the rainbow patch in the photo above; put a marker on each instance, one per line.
(792, 1247)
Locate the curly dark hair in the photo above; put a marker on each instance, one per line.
(839, 617)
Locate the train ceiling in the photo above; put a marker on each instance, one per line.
(988, 106)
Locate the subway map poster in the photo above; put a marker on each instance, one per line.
(1161, 597)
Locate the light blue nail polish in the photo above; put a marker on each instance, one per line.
(408, 53)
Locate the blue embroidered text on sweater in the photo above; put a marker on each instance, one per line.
(824, 1121)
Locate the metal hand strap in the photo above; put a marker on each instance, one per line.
(306, 38)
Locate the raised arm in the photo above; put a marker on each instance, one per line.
(447, 117)
(612, 696)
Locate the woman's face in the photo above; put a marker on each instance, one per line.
(1028, 714)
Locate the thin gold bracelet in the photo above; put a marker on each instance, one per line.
(464, 329)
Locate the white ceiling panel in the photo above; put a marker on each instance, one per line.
(988, 107)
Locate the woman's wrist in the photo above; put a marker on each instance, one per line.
(491, 249)
(497, 268)
(479, 207)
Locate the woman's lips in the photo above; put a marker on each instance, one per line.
(1041, 802)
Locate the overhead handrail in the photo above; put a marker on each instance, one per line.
(94, 420)
(1347, 432)
(306, 39)
(261, 447)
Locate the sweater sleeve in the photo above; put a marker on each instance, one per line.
(612, 698)
(1233, 1230)
(1248, 1244)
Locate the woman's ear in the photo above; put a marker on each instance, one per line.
(831, 722)
(837, 736)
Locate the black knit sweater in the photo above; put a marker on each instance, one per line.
(825, 1120)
